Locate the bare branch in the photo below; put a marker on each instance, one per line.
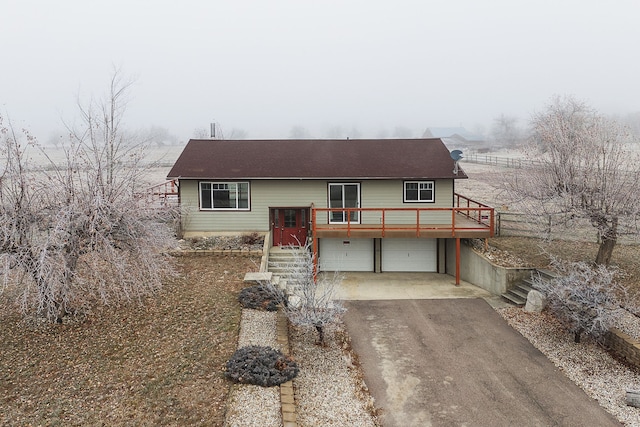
(587, 173)
(77, 234)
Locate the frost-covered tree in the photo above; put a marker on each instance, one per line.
(585, 171)
(310, 299)
(586, 299)
(76, 233)
(505, 131)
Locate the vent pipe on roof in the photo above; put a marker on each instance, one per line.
(213, 131)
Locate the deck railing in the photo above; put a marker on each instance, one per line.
(163, 194)
(466, 215)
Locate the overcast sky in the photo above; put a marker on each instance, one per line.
(267, 65)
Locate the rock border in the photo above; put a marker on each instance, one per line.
(287, 396)
(624, 346)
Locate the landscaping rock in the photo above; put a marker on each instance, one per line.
(536, 302)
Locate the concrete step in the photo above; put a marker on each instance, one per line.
(546, 274)
(514, 299)
(518, 293)
(522, 293)
(526, 285)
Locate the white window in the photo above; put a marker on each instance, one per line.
(343, 196)
(224, 195)
(419, 191)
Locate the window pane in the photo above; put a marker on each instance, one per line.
(243, 195)
(411, 191)
(290, 218)
(205, 196)
(426, 191)
(221, 196)
(335, 196)
(350, 196)
(351, 200)
(335, 201)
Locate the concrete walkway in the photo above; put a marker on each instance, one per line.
(445, 357)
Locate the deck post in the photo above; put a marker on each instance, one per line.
(457, 261)
(315, 257)
(314, 243)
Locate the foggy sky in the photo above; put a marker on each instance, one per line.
(267, 65)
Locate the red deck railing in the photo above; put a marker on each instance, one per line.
(165, 193)
(466, 215)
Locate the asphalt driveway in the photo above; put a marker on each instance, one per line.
(455, 362)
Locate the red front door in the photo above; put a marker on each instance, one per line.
(289, 226)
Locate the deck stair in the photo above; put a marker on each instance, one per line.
(517, 294)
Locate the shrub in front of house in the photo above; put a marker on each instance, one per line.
(259, 297)
(263, 366)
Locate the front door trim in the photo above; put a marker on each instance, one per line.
(289, 225)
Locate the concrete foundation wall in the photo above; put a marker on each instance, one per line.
(479, 271)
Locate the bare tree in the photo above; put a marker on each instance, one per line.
(402, 132)
(160, 136)
(586, 299)
(76, 234)
(586, 172)
(201, 133)
(310, 299)
(298, 132)
(237, 133)
(505, 131)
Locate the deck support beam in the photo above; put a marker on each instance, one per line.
(457, 261)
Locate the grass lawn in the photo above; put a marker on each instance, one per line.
(535, 253)
(160, 363)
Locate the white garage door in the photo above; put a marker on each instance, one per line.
(346, 254)
(409, 255)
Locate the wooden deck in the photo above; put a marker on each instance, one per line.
(468, 219)
(464, 228)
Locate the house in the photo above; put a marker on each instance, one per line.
(456, 137)
(374, 205)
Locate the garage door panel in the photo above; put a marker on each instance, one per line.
(346, 254)
(415, 255)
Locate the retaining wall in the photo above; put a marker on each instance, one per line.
(479, 271)
(624, 346)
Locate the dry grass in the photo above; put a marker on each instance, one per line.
(157, 364)
(536, 253)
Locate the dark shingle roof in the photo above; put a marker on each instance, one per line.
(314, 159)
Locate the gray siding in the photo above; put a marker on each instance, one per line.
(390, 194)
(265, 194)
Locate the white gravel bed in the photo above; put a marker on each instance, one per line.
(329, 389)
(258, 327)
(585, 363)
(252, 405)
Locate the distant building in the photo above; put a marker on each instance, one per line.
(455, 137)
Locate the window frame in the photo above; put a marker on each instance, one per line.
(419, 183)
(238, 193)
(356, 215)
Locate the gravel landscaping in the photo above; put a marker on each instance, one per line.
(586, 363)
(329, 389)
